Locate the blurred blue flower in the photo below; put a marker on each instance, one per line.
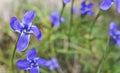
(106, 4)
(56, 19)
(24, 29)
(32, 62)
(74, 10)
(53, 64)
(114, 33)
(66, 1)
(86, 8)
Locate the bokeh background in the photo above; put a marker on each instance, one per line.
(75, 56)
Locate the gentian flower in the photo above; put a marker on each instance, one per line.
(86, 8)
(56, 19)
(66, 1)
(24, 28)
(106, 4)
(114, 33)
(52, 64)
(32, 62)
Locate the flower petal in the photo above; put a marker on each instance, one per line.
(23, 41)
(36, 31)
(83, 3)
(90, 5)
(90, 12)
(23, 64)
(28, 17)
(118, 42)
(15, 24)
(34, 70)
(66, 1)
(31, 53)
(106, 4)
(113, 28)
(42, 62)
(118, 5)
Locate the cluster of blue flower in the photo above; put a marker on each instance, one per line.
(25, 28)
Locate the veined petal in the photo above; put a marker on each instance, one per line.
(106, 4)
(31, 53)
(42, 62)
(23, 64)
(36, 32)
(15, 24)
(34, 70)
(28, 17)
(118, 5)
(23, 41)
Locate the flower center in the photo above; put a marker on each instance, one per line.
(33, 63)
(26, 29)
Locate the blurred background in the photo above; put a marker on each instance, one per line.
(75, 56)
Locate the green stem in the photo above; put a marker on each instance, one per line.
(104, 56)
(91, 29)
(71, 21)
(13, 55)
(63, 7)
(93, 24)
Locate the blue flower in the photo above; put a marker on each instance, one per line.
(24, 28)
(114, 33)
(86, 8)
(106, 4)
(66, 1)
(52, 64)
(74, 10)
(32, 62)
(56, 19)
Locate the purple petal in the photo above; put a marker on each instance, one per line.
(31, 54)
(90, 13)
(113, 28)
(36, 31)
(28, 17)
(34, 70)
(42, 62)
(106, 4)
(74, 10)
(55, 62)
(66, 1)
(82, 10)
(23, 64)
(62, 19)
(83, 4)
(90, 5)
(118, 42)
(23, 41)
(15, 24)
(118, 5)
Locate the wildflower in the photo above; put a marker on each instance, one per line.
(52, 64)
(32, 62)
(106, 4)
(56, 19)
(114, 33)
(74, 10)
(66, 1)
(86, 8)
(24, 29)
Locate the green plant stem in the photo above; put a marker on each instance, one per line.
(71, 22)
(13, 55)
(91, 29)
(63, 7)
(105, 54)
